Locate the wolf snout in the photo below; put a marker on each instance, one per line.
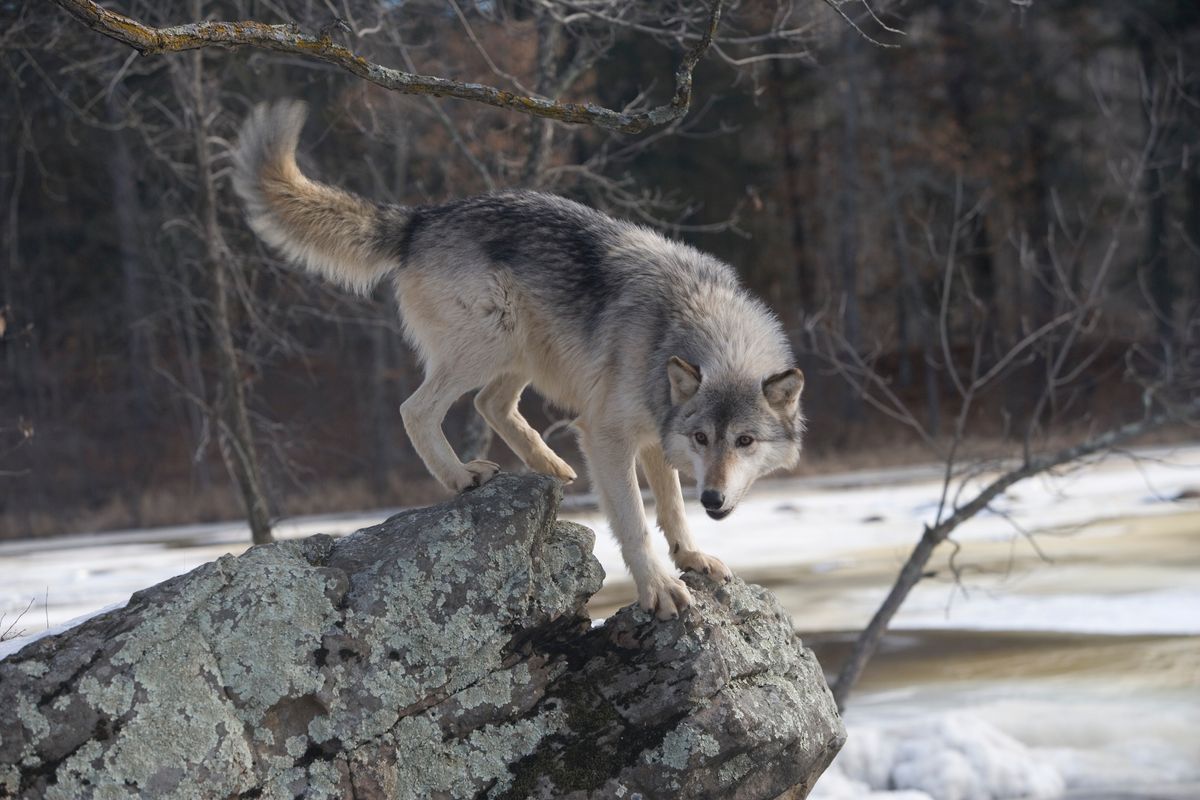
(714, 504)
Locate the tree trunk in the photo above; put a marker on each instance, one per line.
(129, 216)
(236, 435)
(848, 211)
(1191, 221)
(18, 382)
(380, 429)
(1191, 228)
(237, 441)
(910, 306)
(793, 198)
(541, 131)
(1155, 261)
(1033, 195)
(961, 83)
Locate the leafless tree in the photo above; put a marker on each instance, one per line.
(1084, 341)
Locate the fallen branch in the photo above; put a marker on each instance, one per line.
(288, 38)
(914, 568)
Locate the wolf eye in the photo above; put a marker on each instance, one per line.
(744, 441)
(700, 437)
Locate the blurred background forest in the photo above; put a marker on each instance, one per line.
(1002, 173)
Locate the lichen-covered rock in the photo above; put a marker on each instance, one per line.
(442, 654)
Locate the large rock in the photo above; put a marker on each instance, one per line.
(443, 654)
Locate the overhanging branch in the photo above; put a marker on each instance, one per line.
(288, 38)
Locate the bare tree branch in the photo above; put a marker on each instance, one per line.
(288, 38)
(914, 569)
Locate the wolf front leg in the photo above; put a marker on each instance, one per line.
(668, 504)
(610, 457)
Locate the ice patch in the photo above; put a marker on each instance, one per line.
(834, 785)
(1166, 612)
(1017, 740)
(947, 757)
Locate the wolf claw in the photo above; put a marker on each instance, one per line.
(476, 474)
(664, 596)
(695, 561)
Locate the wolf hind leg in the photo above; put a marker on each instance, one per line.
(611, 459)
(497, 402)
(423, 413)
(668, 505)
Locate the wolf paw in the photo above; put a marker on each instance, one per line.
(696, 561)
(664, 596)
(475, 474)
(552, 465)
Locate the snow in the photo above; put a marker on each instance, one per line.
(948, 757)
(1168, 611)
(76, 576)
(1046, 742)
(814, 525)
(10, 646)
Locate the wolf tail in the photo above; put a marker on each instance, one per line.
(326, 230)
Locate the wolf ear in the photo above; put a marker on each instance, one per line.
(685, 380)
(783, 390)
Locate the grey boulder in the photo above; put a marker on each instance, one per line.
(445, 653)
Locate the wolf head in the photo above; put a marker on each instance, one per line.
(727, 430)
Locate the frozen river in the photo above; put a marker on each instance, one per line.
(1064, 662)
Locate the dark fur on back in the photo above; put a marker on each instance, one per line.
(560, 245)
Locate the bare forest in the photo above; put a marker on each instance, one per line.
(979, 221)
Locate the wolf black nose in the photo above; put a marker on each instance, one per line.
(712, 499)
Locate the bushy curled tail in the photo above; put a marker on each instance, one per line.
(324, 229)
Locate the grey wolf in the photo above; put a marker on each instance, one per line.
(665, 358)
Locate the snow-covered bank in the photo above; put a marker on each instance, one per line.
(830, 546)
(831, 528)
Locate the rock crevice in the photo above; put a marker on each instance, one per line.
(445, 653)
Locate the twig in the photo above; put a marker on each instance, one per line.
(836, 6)
(7, 633)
